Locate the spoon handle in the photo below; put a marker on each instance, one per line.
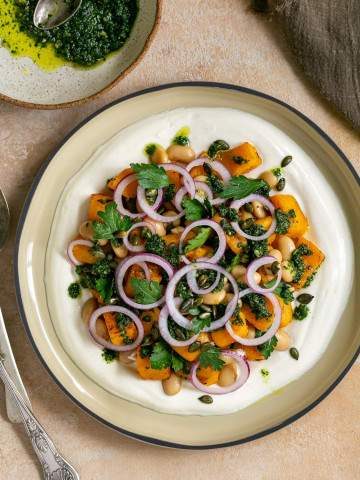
(54, 465)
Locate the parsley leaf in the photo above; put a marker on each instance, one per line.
(284, 291)
(199, 324)
(104, 286)
(177, 362)
(161, 356)
(150, 175)
(146, 291)
(193, 209)
(199, 240)
(240, 187)
(112, 223)
(210, 357)
(268, 347)
(282, 221)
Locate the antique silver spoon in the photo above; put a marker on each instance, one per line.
(49, 14)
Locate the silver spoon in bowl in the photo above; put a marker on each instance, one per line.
(49, 14)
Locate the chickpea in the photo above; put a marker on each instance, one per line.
(287, 273)
(120, 251)
(258, 209)
(257, 278)
(181, 153)
(227, 376)
(251, 332)
(101, 328)
(159, 226)
(238, 271)
(172, 385)
(172, 213)
(228, 298)
(286, 246)
(159, 156)
(126, 357)
(214, 298)
(200, 178)
(88, 309)
(276, 254)
(284, 340)
(177, 230)
(87, 232)
(270, 178)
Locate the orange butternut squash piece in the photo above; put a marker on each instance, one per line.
(312, 262)
(97, 203)
(264, 222)
(207, 375)
(171, 239)
(252, 353)
(135, 271)
(149, 318)
(223, 339)
(84, 254)
(145, 371)
(240, 159)
(175, 178)
(184, 352)
(236, 242)
(286, 313)
(200, 252)
(259, 323)
(197, 171)
(116, 337)
(299, 223)
(130, 190)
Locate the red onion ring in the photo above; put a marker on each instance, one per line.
(253, 267)
(187, 178)
(150, 211)
(128, 262)
(218, 167)
(170, 293)
(126, 240)
(241, 379)
(199, 186)
(218, 230)
(164, 330)
(73, 244)
(237, 204)
(118, 197)
(253, 342)
(191, 279)
(144, 266)
(109, 345)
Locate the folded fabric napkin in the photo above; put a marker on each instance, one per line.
(325, 37)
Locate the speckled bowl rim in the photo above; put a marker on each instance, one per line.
(123, 74)
(143, 438)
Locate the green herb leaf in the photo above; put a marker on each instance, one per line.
(112, 223)
(108, 355)
(177, 362)
(268, 347)
(199, 324)
(282, 222)
(161, 356)
(284, 291)
(150, 175)
(74, 290)
(201, 237)
(240, 187)
(104, 286)
(146, 291)
(210, 357)
(193, 209)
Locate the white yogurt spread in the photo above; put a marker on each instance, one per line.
(304, 180)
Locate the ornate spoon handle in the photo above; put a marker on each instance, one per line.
(54, 465)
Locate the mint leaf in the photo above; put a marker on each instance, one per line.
(112, 222)
(199, 240)
(268, 347)
(161, 356)
(146, 291)
(104, 286)
(240, 187)
(150, 175)
(193, 209)
(210, 357)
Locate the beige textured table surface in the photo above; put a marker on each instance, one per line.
(218, 40)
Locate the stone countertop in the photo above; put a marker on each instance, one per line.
(223, 42)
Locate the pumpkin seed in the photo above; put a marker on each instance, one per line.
(205, 315)
(194, 347)
(148, 340)
(205, 308)
(155, 333)
(248, 207)
(281, 184)
(180, 335)
(186, 305)
(294, 353)
(305, 298)
(203, 281)
(275, 267)
(285, 162)
(146, 318)
(194, 311)
(206, 399)
(198, 301)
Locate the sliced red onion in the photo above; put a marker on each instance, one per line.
(104, 343)
(219, 231)
(129, 245)
(218, 167)
(73, 244)
(187, 178)
(136, 259)
(253, 267)
(192, 282)
(144, 266)
(170, 293)
(237, 204)
(253, 342)
(199, 186)
(242, 375)
(164, 330)
(150, 211)
(118, 197)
